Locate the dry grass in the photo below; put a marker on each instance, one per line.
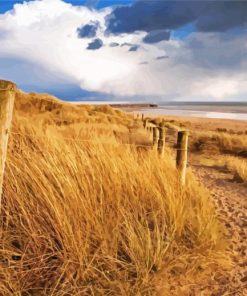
(98, 217)
(220, 141)
(236, 165)
(239, 166)
(48, 110)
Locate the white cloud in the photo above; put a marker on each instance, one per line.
(41, 37)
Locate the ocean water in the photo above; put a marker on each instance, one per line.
(233, 111)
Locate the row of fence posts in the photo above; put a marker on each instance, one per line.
(159, 133)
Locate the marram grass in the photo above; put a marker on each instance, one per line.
(86, 218)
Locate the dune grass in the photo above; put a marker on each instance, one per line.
(220, 141)
(98, 217)
(236, 165)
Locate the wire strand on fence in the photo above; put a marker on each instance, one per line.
(79, 141)
(46, 137)
(62, 119)
(26, 135)
(77, 120)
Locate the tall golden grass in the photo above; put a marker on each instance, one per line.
(236, 165)
(98, 217)
(220, 141)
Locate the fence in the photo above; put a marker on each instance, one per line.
(7, 96)
(159, 133)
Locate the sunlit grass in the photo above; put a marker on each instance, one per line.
(219, 141)
(98, 217)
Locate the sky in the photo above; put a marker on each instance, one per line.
(128, 50)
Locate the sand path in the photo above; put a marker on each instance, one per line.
(230, 198)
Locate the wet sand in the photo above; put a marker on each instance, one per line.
(164, 111)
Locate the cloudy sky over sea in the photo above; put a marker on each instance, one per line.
(153, 50)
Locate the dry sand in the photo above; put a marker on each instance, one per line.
(230, 198)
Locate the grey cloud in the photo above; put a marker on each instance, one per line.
(156, 36)
(126, 44)
(162, 57)
(144, 63)
(134, 48)
(114, 44)
(208, 16)
(217, 52)
(88, 31)
(95, 44)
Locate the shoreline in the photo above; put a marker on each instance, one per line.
(198, 109)
(186, 113)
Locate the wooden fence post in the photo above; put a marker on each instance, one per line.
(161, 141)
(155, 136)
(182, 154)
(7, 97)
(146, 124)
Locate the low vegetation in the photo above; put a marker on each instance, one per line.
(236, 165)
(85, 214)
(221, 142)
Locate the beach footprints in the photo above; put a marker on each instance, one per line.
(231, 208)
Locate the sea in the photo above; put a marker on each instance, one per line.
(220, 110)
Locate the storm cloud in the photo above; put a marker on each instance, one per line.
(95, 44)
(134, 48)
(207, 16)
(162, 57)
(88, 31)
(157, 36)
(114, 44)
